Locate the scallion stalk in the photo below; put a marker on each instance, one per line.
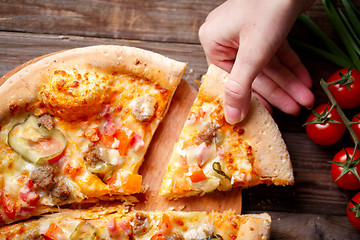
(353, 16)
(342, 31)
(331, 57)
(325, 40)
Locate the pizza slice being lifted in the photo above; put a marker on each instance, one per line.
(115, 223)
(75, 126)
(211, 154)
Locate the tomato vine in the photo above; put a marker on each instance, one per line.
(347, 122)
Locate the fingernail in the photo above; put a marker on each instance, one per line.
(233, 115)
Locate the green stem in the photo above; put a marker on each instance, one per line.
(352, 15)
(347, 122)
(332, 57)
(352, 31)
(343, 33)
(353, 7)
(325, 40)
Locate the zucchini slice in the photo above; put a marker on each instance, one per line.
(84, 230)
(102, 169)
(225, 180)
(35, 143)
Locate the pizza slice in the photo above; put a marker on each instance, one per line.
(211, 154)
(75, 126)
(115, 223)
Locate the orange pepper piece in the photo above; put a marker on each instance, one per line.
(197, 174)
(124, 135)
(131, 183)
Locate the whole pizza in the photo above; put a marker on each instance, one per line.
(74, 129)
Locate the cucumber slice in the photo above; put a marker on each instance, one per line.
(225, 180)
(85, 231)
(34, 143)
(103, 169)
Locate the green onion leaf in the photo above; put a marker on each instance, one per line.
(343, 33)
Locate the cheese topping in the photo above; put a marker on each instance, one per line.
(117, 224)
(107, 122)
(207, 139)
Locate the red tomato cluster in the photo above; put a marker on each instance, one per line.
(326, 127)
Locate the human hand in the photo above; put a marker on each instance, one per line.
(247, 38)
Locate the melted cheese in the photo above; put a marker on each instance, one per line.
(71, 95)
(226, 148)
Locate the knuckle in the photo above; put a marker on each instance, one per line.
(203, 31)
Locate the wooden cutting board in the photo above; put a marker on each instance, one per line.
(157, 157)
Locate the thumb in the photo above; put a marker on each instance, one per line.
(238, 87)
(237, 96)
(252, 56)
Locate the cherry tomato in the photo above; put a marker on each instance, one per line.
(346, 98)
(353, 211)
(356, 127)
(325, 132)
(347, 169)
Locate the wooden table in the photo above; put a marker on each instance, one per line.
(314, 208)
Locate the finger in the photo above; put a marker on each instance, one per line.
(264, 102)
(270, 91)
(252, 56)
(215, 51)
(287, 81)
(290, 60)
(236, 100)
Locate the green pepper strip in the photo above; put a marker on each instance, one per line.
(217, 168)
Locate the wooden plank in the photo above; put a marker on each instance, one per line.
(310, 226)
(165, 21)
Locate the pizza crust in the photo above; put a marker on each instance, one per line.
(255, 226)
(272, 159)
(228, 223)
(23, 230)
(105, 59)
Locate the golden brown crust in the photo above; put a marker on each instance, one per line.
(29, 229)
(105, 59)
(228, 224)
(272, 159)
(256, 226)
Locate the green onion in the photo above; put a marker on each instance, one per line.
(347, 26)
(353, 16)
(342, 31)
(353, 33)
(332, 57)
(325, 40)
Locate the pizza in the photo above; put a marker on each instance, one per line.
(211, 154)
(75, 125)
(117, 223)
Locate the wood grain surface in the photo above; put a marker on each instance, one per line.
(314, 208)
